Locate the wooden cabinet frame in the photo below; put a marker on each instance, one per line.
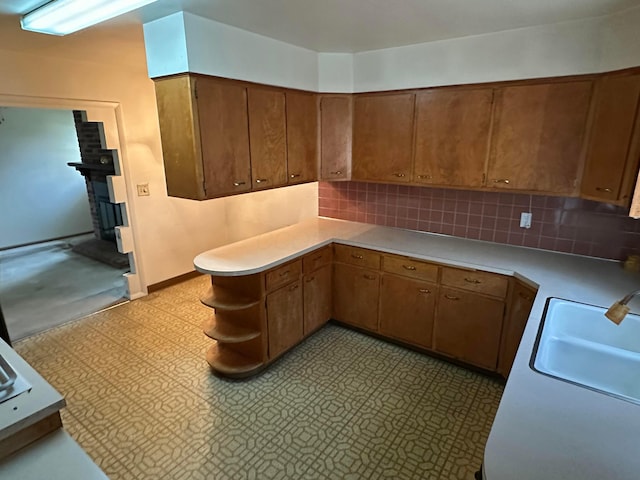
(250, 309)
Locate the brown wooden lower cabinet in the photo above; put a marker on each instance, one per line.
(356, 292)
(520, 307)
(284, 318)
(317, 298)
(468, 327)
(406, 309)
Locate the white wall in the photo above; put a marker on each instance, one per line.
(169, 232)
(42, 197)
(214, 48)
(568, 48)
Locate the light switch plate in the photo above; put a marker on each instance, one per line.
(143, 189)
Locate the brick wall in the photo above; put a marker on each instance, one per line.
(570, 225)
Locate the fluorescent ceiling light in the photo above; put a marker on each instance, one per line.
(61, 17)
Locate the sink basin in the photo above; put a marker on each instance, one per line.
(578, 344)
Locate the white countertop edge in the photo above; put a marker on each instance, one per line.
(55, 456)
(31, 406)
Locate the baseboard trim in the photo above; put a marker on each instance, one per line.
(173, 281)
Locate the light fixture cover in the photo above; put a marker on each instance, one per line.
(61, 17)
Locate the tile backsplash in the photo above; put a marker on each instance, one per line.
(562, 224)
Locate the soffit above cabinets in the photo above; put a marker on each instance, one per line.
(362, 25)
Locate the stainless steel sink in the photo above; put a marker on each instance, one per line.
(577, 344)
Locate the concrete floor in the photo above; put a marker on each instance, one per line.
(45, 285)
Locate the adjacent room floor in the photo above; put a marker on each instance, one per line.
(48, 284)
(142, 401)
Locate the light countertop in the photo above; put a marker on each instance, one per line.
(55, 456)
(544, 428)
(29, 407)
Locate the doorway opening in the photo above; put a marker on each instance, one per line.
(59, 252)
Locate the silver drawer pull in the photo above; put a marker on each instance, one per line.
(237, 184)
(423, 177)
(606, 190)
(424, 290)
(336, 172)
(472, 280)
(357, 257)
(501, 180)
(451, 297)
(399, 175)
(293, 287)
(294, 175)
(408, 267)
(261, 180)
(370, 277)
(286, 272)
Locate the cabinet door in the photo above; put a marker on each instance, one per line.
(355, 293)
(521, 303)
(452, 136)
(383, 137)
(222, 112)
(302, 137)
(317, 299)
(538, 135)
(336, 113)
(267, 134)
(284, 318)
(468, 327)
(406, 309)
(615, 109)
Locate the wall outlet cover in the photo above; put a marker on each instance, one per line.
(525, 220)
(143, 189)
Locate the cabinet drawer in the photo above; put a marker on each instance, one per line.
(476, 281)
(357, 256)
(282, 275)
(317, 259)
(410, 268)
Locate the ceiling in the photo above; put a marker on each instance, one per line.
(360, 25)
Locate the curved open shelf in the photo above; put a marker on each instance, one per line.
(227, 331)
(231, 363)
(225, 299)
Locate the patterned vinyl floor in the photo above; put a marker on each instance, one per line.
(144, 404)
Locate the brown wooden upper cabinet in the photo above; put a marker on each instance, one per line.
(614, 143)
(383, 137)
(336, 114)
(268, 137)
(302, 137)
(538, 135)
(452, 136)
(204, 131)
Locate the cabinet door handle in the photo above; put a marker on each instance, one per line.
(472, 280)
(451, 297)
(427, 177)
(336, 172)
(294, 175)
(261, 180)
(501, 180)
(358, 257)
(237, 184)
(286, 272)
(525, 296)
(319, 257)
(370, 277)
(310, 279)
(399, 174)
(424, 290)
(408, 267)
(293, 287)
(606, 190)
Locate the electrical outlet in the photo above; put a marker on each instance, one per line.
(525, 220)
(143, 190)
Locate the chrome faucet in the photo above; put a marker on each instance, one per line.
(619, 309)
